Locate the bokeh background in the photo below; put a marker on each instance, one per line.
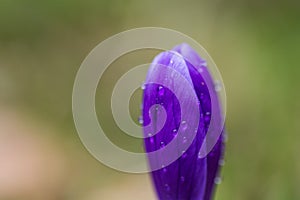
(256, 45)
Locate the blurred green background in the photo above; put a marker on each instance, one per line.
(256, 45)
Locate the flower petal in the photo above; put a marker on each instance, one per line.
(197, 73)
(190, 176)
(177, 180)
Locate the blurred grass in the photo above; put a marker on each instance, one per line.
(256, 45)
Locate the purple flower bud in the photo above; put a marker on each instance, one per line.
(190, 177)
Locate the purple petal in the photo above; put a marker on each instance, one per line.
(189, 177)
(200, 67)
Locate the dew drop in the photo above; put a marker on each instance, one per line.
(221, 162)
(218, 86)
(171, 61)
(151, 140)
(184, 140)
(207, 113)
(206, 118)
(149, 134)
(184, 154)
(167, 187)
(184, 125)
(182, 178)
(199, 155)
(161, 90)
(218, 180)
(143, 86)
(141, 121)
(164, 169)
(174, 132)
(162, 144)
(202, 83)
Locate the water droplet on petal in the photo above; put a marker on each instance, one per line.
(163, 167)
(221, 162)
(182, 178)
(218, 86)
(141, 121)
(151, 140)
(184, 140)
(199, 155)
(206, 118)
(149, 134)
(201, 96)
(202, 83)
(174, 132)
(162, 144)
(184, 154)
(143, 86)
(167, 187)
(161, 90)
(218, 180)
(184, 125)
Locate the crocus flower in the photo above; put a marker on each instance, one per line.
(189, 177)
